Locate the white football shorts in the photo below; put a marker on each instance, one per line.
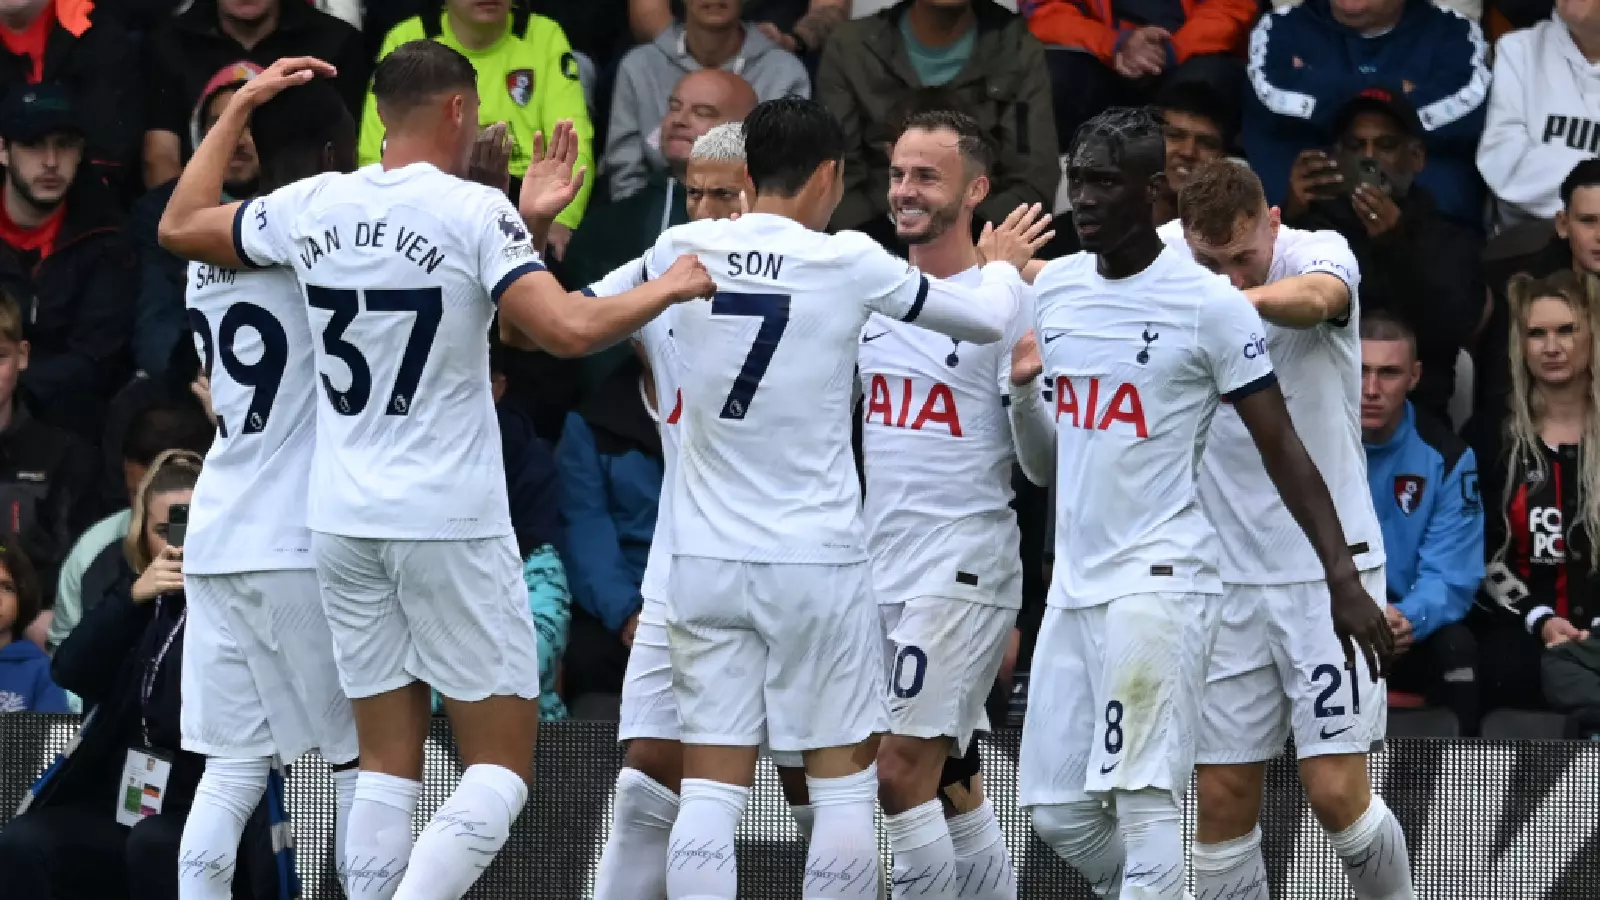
(648, 707)
(1114, 698)
(451, 614)
(790, 655)
(259, 677)
(1278, 669)
(943, 655)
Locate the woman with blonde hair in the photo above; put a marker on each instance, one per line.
(1540, 460)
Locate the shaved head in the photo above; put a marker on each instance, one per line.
(700, 101)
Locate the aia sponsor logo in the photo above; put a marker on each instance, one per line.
(1095, 405)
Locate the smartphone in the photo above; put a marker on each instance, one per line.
(177, 524)
(1361, 170)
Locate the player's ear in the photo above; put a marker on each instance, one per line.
(977, 190)
(1156, 188)
(1561, 219)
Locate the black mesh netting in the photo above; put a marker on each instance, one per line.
(1484, 819)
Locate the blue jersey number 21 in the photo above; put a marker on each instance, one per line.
(773, 309)
(345, 305)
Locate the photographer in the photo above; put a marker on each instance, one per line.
(1415, 264)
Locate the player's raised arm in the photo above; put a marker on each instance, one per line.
(196, 225)
(571, 324)
(1232, 338)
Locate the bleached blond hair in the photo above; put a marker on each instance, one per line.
(723, 143)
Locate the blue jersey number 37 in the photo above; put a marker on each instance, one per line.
(427, 305)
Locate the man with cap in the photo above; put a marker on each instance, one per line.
(1416, 263)
(66, 258)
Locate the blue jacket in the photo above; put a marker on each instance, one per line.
(1424, 483)
(1304, 67)
(610, 463)
(25, 684)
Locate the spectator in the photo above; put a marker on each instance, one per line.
(161, 318)
(47, 476)
(1541, 472)
(527, 78)
(66, 259)
(710, 37)
(25, 684)
(1306, 61)
(1199, 126)
(1396, 231)
(68, 841)
(1120, 52)
(71, 43)
(610, 464)
(625, 229)
(1424, 484)
(986, 62)
(800, 27)
(1541, 119)
(87, 570)
(183, 56)
(534, 490)
(1573, 247)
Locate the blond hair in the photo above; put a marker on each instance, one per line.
(1525, 447)
(10, 317)
(172, 470)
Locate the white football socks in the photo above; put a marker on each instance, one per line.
(842, 861)
(208, 853)
(1084, 834)
(462, 838)
(344, 792)
(633, 865)
(1373, 851)
(924, 859)
(377, 845)
(1230, 870)
(804, 818)
(1152, 830)
(700, 860)
(983, 862)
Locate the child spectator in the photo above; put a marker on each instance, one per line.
(25, 684)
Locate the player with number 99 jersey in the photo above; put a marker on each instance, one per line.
(259, 678)
(401, 270)
(768, 571)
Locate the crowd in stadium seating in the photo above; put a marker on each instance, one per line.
(1453, 145)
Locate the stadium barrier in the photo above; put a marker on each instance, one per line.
(1486, 820)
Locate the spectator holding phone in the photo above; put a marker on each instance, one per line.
(1416, 264)
(25, 684)
(1541, 478)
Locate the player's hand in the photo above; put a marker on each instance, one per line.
(1314, 176)
(491, 157)
(629, 629)
(687, 279)
(1361, 624)
(1377, 210)
(551, 181)
(744, 207)
(1026, 363)
(1016, 239)
(1400, 626)
(164, 575)
(1558, 631)
(274, 79)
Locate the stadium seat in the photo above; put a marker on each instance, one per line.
(1435, 722)
(1524, 725)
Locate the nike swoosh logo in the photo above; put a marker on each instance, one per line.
(1106, 770)
(1050, 337)
(872, 337)
(1326, 734)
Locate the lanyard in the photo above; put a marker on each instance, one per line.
(148, 684)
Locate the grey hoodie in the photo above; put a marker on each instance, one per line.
(645, 80)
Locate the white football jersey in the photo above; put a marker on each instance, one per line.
(249, 508)
(1139, 365)
(766, 472)
(661, 347)
(1319, 372)
(401, 271)
(937, 450)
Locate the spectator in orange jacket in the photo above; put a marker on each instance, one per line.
(1104, 53)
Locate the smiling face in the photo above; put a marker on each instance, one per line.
(701, 101)
(930, 190)
(1555, 342)
(1111, 203)
(1191, 140)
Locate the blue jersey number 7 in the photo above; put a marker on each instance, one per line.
(773, 309)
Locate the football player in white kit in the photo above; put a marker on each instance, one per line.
(634, 862)
(1143, 344)
(259, 678)
(1278, 667)
(402, 264)
(938, 455)
(772, 629)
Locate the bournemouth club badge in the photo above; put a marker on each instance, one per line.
(1408, 492)
(519, 84)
